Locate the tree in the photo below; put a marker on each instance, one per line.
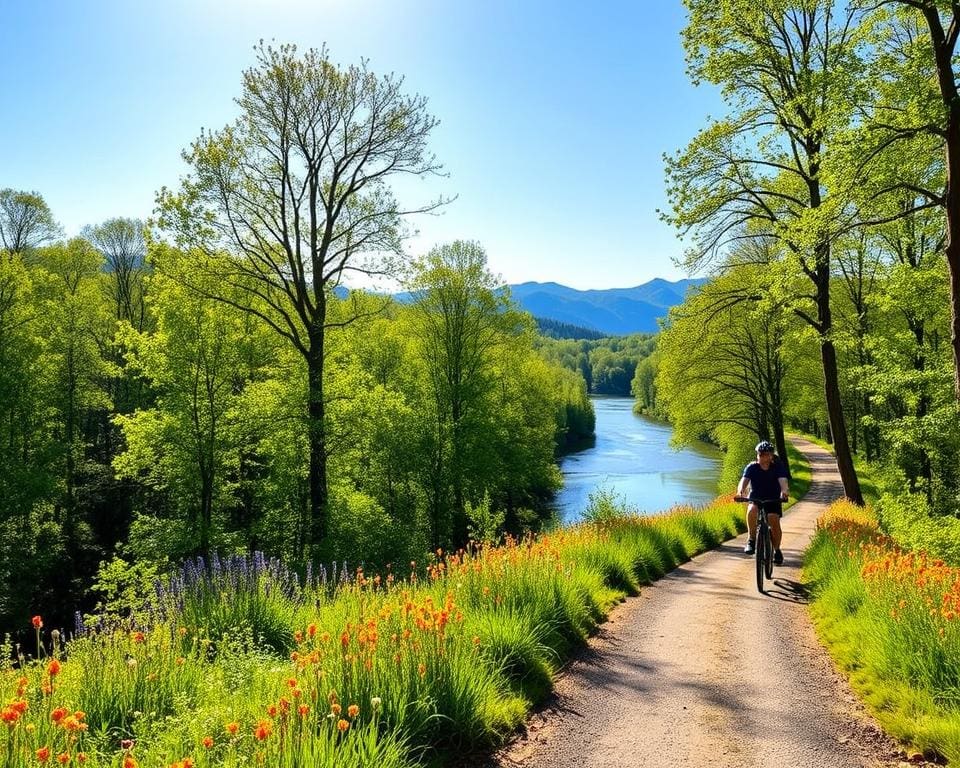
(787, 70)
(918, 100)
(461, 319)
(743, 376)
(293, 196)
(124, 249)
(25, 221)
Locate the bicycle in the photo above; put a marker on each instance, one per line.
(764, 542)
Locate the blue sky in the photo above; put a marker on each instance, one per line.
(553, 115)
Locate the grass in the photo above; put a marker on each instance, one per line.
(238, 664)
(891, 618)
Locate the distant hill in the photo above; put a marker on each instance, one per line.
(612, 312)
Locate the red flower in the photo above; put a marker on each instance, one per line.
(53, 668)
(37, 622)
(207, 741)
(43, 754)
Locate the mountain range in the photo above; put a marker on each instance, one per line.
(612, 311)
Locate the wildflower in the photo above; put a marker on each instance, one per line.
(207, 741)
(81, 757)
(263, 730)
(352, 711)
(375, 702)
(311, 630)
(422, 670)
(53, 668)
(37, 622)
(335, 708)
(63, 758)
(272, 710)
(138, 636)
(232, 728)
(342, 725)
(43, 754)
(129, 762)
(58, 714)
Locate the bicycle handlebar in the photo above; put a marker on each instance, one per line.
(758, 501)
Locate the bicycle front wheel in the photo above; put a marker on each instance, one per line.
(768, 555)
(761, 559)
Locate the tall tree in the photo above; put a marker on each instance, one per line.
(293, 196)
(462, 318)
(787, 70)
(25, 221)
(918, 99)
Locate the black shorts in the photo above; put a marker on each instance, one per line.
(772, 507)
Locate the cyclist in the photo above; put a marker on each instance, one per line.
(767, 478)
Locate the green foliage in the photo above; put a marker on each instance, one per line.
(608, 365)
(890, 618)
(485, 523)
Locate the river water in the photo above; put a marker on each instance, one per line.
(633, 458)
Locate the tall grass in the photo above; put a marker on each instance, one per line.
(891, 617)
(237, 663)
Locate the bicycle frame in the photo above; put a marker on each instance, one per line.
(763, 548)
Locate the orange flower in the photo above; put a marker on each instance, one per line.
(422, 670)
(303, 709)
(37, 622)
(207, 741)
(129, 762)
(342, 725)
(232, 728)
(81, 757)
(58, 714)
(53, 668)
(63, 758)
(353, 710)
(311, 630)
(43, 754)
(263, 730)
(138, 637)
(335, 708)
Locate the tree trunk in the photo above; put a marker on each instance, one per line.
(316, 434)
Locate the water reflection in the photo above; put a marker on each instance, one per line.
(633, 458)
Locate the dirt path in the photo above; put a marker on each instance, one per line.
(702, 670)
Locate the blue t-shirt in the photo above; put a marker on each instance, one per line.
(764, 484)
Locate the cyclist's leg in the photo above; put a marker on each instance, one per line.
(776, 532)
(752, 521)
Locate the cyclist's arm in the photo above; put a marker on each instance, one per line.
(784, 488)
(742, 488)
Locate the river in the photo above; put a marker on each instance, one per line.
(633, 458)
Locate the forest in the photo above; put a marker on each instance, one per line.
(155, 406)
(822, 205)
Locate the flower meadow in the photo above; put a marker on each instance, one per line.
(891, 617)
(238, 662)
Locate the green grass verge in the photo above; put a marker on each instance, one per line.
(891, 619)
(243, 667)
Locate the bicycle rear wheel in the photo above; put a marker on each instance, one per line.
(768, 555)
(761, 558)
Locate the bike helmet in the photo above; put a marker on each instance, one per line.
(765, 446)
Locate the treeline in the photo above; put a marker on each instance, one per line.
(820, 202)
(555, 329)
(144, 418)
(608, 365)
(208, 386)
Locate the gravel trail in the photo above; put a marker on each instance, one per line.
(702, 670)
